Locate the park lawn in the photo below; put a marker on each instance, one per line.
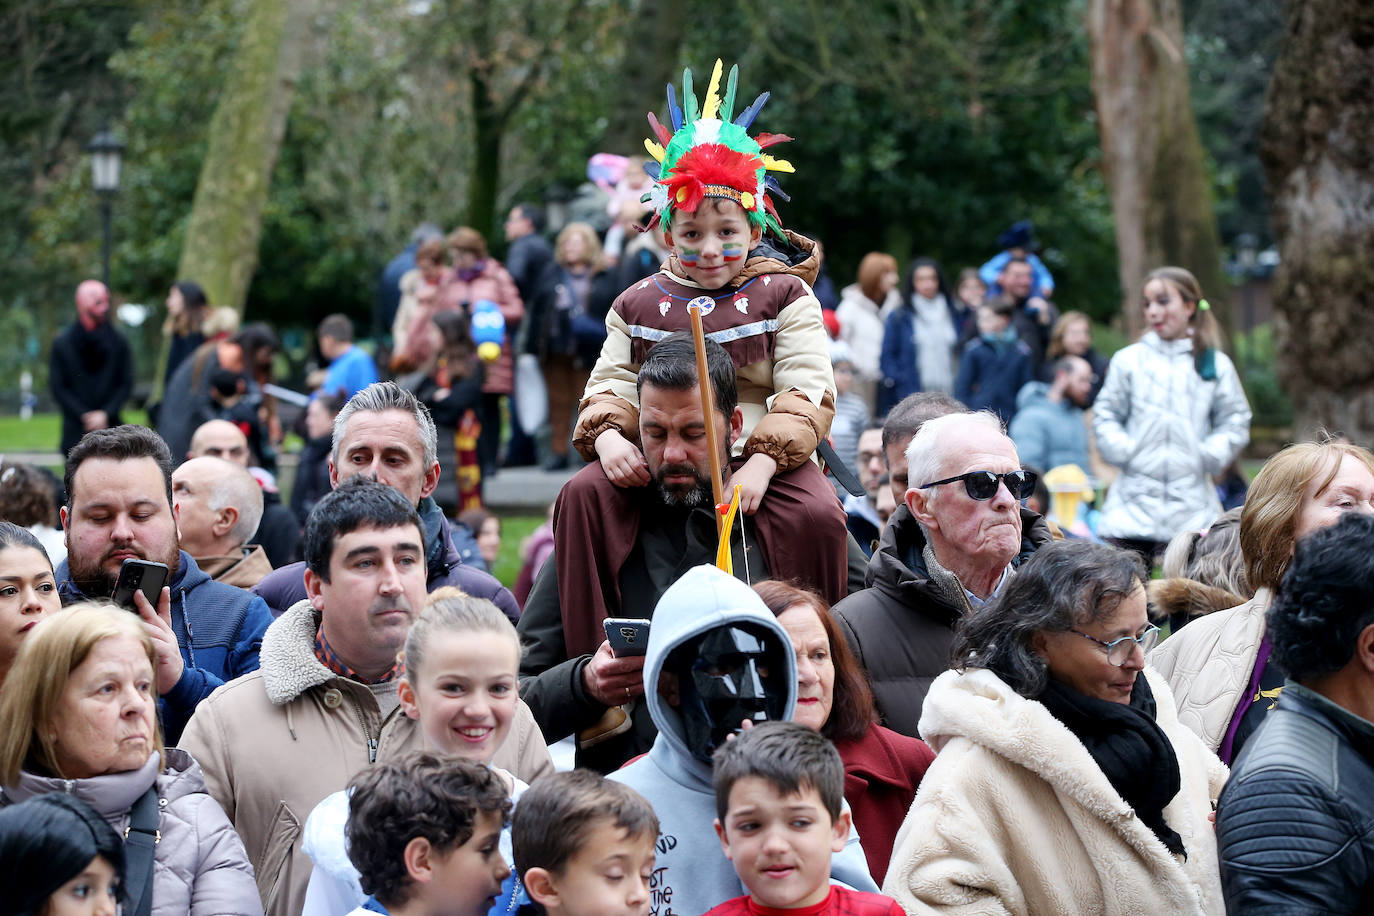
(43, 432)
(514, 529)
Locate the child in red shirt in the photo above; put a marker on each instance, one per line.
(779, 789)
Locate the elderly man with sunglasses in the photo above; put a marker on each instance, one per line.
(951, 546)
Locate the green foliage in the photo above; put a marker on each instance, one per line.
(1255, 359)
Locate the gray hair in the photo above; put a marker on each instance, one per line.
(927, 455)
(1212, 557)
(238, 489)
(1065, 585)
(383, 396)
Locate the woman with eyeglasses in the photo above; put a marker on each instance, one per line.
(1063, 781)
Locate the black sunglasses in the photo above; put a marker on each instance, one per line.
(983, 484)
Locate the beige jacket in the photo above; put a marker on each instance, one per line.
(274, 743)
(244, 568)
(1015, 817)
(1208, 665)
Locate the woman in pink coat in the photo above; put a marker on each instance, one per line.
(475, 276)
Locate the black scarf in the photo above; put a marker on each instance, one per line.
(1129, 746)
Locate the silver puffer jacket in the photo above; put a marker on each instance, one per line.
(1170, 431)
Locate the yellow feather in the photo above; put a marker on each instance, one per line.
(712, 93)
(654, 149)
(776, 165)
(724, 560)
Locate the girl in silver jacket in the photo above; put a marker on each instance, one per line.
(1171, 416)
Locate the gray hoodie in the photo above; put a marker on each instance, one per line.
(691, 874)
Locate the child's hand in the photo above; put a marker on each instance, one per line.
(623, 463)
(753, 481)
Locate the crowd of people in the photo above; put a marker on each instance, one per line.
(939, 693)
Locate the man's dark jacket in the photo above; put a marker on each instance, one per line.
(285, 586)
(902, 625)
(218, 628)
(1295, 824)
(89, 370)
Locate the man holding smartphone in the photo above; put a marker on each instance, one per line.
(119, 507)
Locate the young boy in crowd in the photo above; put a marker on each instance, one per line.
(995, 364)
(584, 846)
(424, 833)
(779, 788)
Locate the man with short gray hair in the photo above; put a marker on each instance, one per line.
(218, 506)
(951, 546)
(384, 433)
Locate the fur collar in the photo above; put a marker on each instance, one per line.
(978, 705)
(287, 661)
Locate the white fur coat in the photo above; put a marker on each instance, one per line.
(1015, 817)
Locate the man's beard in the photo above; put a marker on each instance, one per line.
(678, 495)
(95, 582)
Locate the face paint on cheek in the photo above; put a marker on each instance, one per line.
(689, 257)
(732, 251)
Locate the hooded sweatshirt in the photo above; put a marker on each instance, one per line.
(691, 874)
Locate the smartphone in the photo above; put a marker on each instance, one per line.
(627, 636)
(137, 575)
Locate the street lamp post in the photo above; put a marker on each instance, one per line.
(106, 157)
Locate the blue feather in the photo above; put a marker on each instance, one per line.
(652, 169)
(749, 114)
(674, 111)
(770, 183)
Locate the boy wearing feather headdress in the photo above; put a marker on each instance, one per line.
(728, 252)
(712, 201)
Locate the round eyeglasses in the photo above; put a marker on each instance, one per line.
(983, 484)
(1119, 650)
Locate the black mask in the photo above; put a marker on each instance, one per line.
(726, 675)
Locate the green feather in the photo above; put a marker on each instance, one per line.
(727, 107)
(689, 98)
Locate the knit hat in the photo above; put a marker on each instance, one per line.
(708, 155)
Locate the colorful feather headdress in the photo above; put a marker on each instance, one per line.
(709, 155)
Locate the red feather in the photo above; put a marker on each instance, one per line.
(664, 137)
(767, 140)
(710, 163)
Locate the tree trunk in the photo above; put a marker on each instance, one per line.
(1151, 155)
(488, 126)
(1315, 146)
(655, 35)
(221, 247)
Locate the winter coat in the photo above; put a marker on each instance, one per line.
(1048, 434)
(691, 872)
(900, 628)
(992, 374)
(1184, 599)
(1208, 665)
(861, 328)
(89, 370)
(1294, 823)
(882, 771)
(199, 864)
(286, 586)
(899, 364)
(219, 629)
(787, 397)
(1015, 816)
(1170, 431)
(495, 284)
(275, 743)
